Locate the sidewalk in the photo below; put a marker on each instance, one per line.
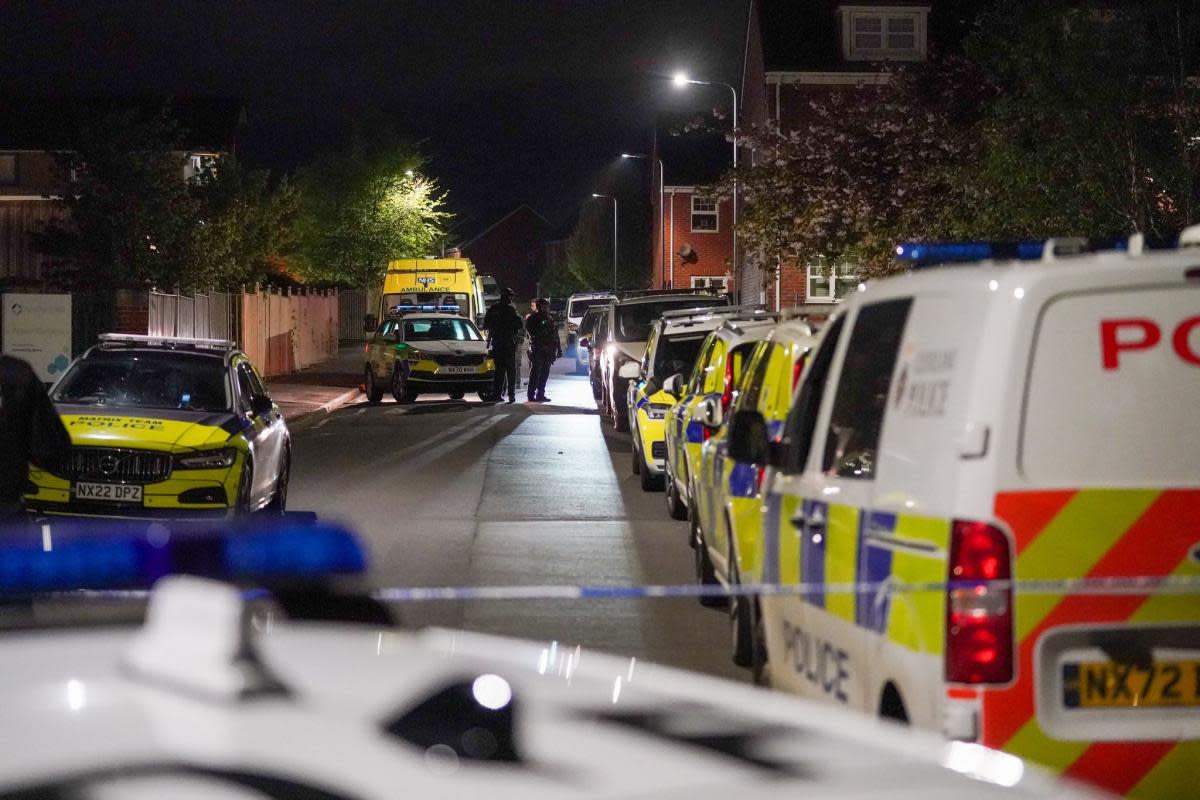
(320, 388)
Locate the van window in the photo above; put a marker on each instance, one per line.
(1112, 388)
(802, 421)
(858, 407)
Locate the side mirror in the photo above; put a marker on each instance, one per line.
(261, 404)
(652, 388)
(585, 343)
(674, 386)
(711, 415)
(748, 440)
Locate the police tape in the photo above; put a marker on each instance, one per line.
(1098, 587)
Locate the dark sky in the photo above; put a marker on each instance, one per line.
(519, 101)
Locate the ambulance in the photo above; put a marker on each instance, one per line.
(434, 285)
(987, 498)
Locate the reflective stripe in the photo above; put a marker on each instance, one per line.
(875, 568)
(841, 557)
(743, 479)
(695, 433)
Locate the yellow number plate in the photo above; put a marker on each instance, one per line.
(1108, 684)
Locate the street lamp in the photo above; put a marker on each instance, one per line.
(614, 199)
(662, 225)
(681, 81)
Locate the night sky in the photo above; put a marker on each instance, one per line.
(521, 101)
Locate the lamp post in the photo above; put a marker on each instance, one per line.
(614, 199)
(662, 225)
(682, 81)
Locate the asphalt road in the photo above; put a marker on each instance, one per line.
(451, 493)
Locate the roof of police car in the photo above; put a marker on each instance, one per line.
(585, 724)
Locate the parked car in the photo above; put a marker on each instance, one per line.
(423, 352)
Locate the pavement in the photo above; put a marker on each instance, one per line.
(448, 493)
(305, 396)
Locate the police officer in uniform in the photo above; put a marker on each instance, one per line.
(543, 349)
(503, 325)
(30, 430)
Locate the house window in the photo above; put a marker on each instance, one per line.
(8, 168)
(828, 284)
(708, 282)
(704, 214)
(880, 33)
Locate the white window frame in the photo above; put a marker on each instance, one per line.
(853, 14)
(715, 213)
(709, 282)
(845, 275)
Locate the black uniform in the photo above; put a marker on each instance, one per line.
(30, 430)
(503, 325)
(543, 349)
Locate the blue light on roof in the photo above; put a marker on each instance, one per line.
(930, 253)
(76, 555)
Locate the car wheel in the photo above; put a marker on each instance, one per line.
(457, 395)
(399, 385)
(409, 396)
(635, 461)
(650, 482)
(740, 622)
(243, 503)
(705, 576)
(486, 397)
(278, 503)
(760, 661)
(373, 390)
(675, 507)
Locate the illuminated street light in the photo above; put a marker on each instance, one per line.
(662, 225)
(614, 199)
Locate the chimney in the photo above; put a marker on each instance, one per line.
(454, 252)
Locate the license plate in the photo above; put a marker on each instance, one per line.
(1108, 684)
(458, 370)
(108, 492)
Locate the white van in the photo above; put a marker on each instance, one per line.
(987, 475)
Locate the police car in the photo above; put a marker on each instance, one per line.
(988, 489)
(420, 351)
(672, 349)
(729, 493)
(692, 420)
(165, 427)
(235, 694)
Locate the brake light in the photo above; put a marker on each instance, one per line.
(797, 368)
(979, 620)
(706, 432)
(727, 393)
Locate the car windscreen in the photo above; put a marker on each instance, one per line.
(576, 308)
(438, 330)
(634, 320)
(143, 379)
(677, 354)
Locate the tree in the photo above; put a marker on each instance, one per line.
(364, 207)
(131, 212)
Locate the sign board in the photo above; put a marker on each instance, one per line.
(37, 328)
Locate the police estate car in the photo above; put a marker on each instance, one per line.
(165, 427)
(419, 352)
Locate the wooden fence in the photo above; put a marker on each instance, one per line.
(283, 333)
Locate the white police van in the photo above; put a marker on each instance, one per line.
(988, 493)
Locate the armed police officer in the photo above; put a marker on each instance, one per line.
(30, 430)
(543, 349)
(504, 331)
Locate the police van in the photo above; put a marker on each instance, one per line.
(987, 496)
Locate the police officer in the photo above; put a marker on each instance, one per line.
(503, 325)
(543, 349)
(30, 430)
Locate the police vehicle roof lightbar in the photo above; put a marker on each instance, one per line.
(98, 556)
(178, 342)
(712, 311)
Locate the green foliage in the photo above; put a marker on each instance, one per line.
(131, 212)
(589, 264)
(364, 207)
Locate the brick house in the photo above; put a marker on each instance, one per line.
(798, 48)
(692, 238)
(512, 250)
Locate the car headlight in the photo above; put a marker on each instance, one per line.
(211, 459)
(656, 410)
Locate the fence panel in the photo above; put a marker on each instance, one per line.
(352, 307)
(200, 327)
(162, 314)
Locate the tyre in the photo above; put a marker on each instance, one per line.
(705, 576)
(636, 457)
(650, 482)
(278, 503)
(675, 506)
(740, 619)
(409, 396)
(400, 386)
(242, 504)
(487, 397)
(457, 395)
(374, 391)
(620, 416)
(760, 661)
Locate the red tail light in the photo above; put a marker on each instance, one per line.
(979, 620)
(727, 394)
(758, 479)
(707, 432)
(367, 347)
(797, 368)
